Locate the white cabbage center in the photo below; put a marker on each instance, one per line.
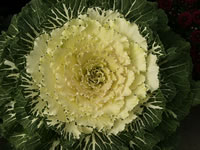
(92, 73)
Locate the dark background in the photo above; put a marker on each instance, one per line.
(190, 126)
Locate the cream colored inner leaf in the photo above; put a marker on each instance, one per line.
(91, 73)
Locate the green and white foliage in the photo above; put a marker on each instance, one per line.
(92, 75)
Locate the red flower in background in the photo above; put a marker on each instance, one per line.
(189, 2)
(165, 4)
(196, 17)
(185, 19)
(195, 37)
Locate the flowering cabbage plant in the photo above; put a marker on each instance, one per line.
(99, 75)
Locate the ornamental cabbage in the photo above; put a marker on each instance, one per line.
(99, 75)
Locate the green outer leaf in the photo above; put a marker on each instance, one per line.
(177, 74)
(196, 93)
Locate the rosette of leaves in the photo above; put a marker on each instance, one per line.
(99, 75)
